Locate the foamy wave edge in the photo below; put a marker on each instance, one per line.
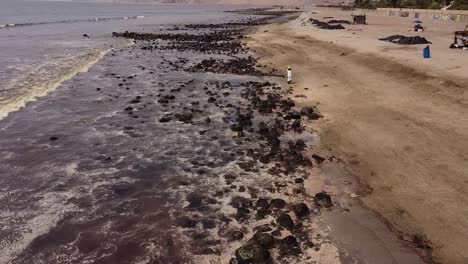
(16, 104)
(102, 19)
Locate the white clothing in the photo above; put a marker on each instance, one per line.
(289, 75)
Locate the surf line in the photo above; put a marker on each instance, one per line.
(14, 104)
(102, 19)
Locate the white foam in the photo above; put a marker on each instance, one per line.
(14, 104)
(39, 225)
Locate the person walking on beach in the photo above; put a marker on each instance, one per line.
(289, 75)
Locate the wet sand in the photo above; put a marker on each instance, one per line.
(181, 148)
(397, 122)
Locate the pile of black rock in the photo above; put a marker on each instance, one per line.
(402, 40)
(238, 66)
(325, 25)
(262, 118)
(333, 21)
(219, 41)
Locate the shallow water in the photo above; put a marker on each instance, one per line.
(91, 175)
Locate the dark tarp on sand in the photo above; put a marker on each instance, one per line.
(325, 25)
(402, 40)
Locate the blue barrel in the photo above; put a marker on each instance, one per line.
(427, 52)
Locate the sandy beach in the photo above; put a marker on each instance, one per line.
(397, 121)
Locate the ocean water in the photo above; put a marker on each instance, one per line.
(42, 43)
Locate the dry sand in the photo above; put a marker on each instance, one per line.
(398, 121)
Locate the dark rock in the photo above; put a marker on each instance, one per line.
(185, 222)
(301, 210)
(252, 253)
(244, 119)
(276, 233)
(289, 246)
(185, 117)
(242, 214)
(285, 221)
(53, 138)
(262, 213)
(298, 180)
(265, 240)
(136, 100)
(236, 235)
(211, 100)
(230, 177)
(239, 66)
(165, 119)
(296, 125)
(309, 244)
(323, 199)
(292, 115)
(236, 127)
(263, 228)
(208, 223)
(318, 159)
(205, 251)
(238, 202)
(163, 101)
(169, 97)
(262, 203)
(277, 203)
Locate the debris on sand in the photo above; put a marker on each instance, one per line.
(241, 66)
(333, 21)
(311, 113)
(318, 158)
(252, 253)
(219, 42)
(402, 40)
(325, 25)
(323, 199)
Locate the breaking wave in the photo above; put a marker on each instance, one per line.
(102, 19)
(40, 84)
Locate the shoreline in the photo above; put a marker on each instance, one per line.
(184, 148)
(161, 141)
(341, 80)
